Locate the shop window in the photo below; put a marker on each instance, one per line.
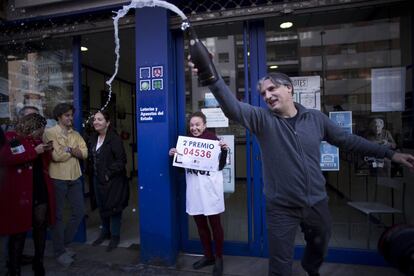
(33, 74)
(223, 57)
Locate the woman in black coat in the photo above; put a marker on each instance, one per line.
(108, 159)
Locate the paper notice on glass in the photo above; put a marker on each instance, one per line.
(342, 119)
(215, 117)
(307, 91)
(329, 157)
(229, 170)
(388, 89)
(196, 153)
(4, 110)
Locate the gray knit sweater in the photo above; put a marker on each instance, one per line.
(291, 157)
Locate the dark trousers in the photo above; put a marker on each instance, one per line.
(282, 224)
(111, 225)
(205, 234)
(17, 241)
(62, 235)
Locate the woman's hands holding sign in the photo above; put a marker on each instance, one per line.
(223, 145)
(172, 151)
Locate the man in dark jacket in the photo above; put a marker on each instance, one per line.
(289, 136)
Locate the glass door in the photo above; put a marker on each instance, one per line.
(39, 75)
(228, 42)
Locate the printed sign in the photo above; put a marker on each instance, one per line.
(329, 157)
(150, 97)
(215, 117)
(196, 153)
(210, 100)
(307, 91)
(330, 154)
(342, 119)
(388, 89)
(228, 170)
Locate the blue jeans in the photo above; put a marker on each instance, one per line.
(110, 224)
(62, 234)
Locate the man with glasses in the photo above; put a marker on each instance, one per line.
(289, 136)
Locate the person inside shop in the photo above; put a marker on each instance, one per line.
(68, 149)
(205, 198)
(289, 136)
(27, 198)
(378, 134)
(107, 162)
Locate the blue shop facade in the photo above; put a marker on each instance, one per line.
(352, 59)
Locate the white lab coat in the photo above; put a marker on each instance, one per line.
(204, 192)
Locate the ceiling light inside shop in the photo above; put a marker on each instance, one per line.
(84, 49)
(286, 25)
(273, 67)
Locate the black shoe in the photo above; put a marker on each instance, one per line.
(101, 239)
(218, 267)
(13, 272)
(113, 243)
(38, 269)
(203, 262)
(26, 259)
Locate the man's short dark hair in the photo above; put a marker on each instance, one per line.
(62, 108)
(276, 78)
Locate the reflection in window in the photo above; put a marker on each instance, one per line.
(223, 57)
(39, 78)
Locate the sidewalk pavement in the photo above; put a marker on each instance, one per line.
(92, 260)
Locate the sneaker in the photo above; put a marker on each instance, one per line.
(70, 252)
(203, 262)
(113, 243)
(65, 260)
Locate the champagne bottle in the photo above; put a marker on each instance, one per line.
(200, 56)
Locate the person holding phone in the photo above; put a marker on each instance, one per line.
(27, 197)
(205, 198)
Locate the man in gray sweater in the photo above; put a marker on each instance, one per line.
(289, 136)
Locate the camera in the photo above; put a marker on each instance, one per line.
(396, 245)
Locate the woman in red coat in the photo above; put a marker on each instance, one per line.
(26, 194)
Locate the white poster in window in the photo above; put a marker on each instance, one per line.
(215, 117)
(228, 170)
(307, 91)
(210, 100)
(388, 89)
(4, 110)
(196, 153)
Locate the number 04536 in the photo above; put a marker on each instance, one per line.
(197, 152)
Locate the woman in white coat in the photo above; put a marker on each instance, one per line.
(205, 199)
